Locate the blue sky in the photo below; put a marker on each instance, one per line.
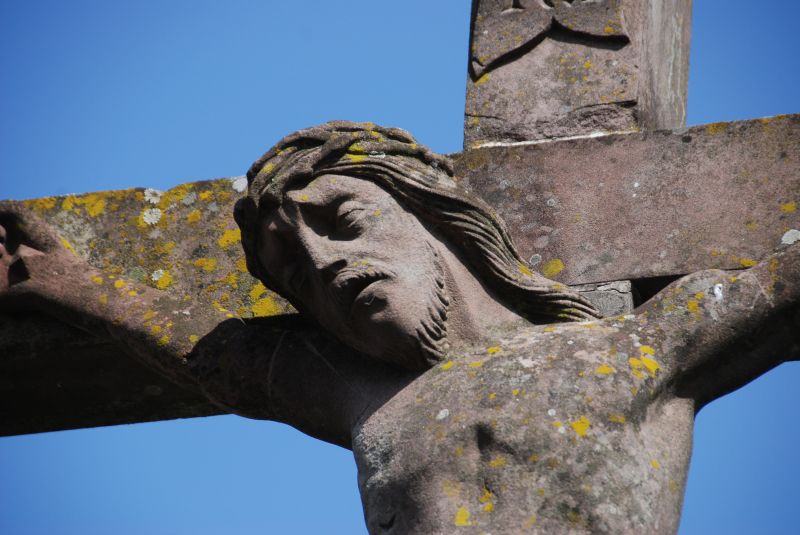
(107, 95)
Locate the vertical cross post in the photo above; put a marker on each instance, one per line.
(551, 69)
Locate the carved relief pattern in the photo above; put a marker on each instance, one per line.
(502, 27)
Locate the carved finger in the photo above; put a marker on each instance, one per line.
(22, 227)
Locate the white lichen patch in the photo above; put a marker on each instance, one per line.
(444, 413)
(791, 236)
(718, 292)
(151, 216)
(153, 196)
(239, 183)
(189, 198)
(157, 274)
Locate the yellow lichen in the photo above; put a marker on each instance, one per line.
(68, 246)
(206, 264)
(462, 517)
(553, 267)
(257, 291)
(164, 281)
(232, 280)
(40, 205)
(355, 158)
(483, 79)
(498, 462)
(230, 237)
(447, 365)
(789, 207)
(616, 418)
(193, 216)
(604, 369)
(95, 205)
(651, 365)
(493, 349)
(265, 307)
(580, 426)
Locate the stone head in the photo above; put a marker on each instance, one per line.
(355, 225)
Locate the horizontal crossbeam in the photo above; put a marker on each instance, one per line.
(587, 210)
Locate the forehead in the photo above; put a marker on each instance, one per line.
(331, 187)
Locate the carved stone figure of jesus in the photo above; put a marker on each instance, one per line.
(477, 395)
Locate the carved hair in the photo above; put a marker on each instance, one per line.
(423, 182)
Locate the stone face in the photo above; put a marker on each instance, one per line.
(542, 70)
(647, 204)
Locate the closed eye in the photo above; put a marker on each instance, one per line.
(349, 219)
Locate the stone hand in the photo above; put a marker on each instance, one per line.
(36, 264)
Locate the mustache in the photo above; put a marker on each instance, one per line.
(350, 281)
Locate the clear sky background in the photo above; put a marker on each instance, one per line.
(107, 95)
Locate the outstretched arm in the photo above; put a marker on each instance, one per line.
(725, 328)
(272, 368)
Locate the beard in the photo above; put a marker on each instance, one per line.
(428, 342)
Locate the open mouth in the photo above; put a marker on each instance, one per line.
(352, 283)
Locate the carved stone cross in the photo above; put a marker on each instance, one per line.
(613, 204)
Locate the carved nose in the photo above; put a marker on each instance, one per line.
(326, 256)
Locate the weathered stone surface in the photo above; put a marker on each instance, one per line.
(610, 298)
(541, 70)
(183, 243)
(721, 195)
(574, 428)
(647, 204)
(460, 411)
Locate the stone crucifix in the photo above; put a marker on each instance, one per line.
(476, 393)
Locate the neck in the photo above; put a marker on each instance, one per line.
(474, 314)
